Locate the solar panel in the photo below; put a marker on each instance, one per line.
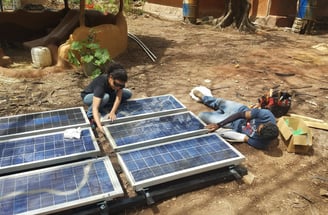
(24, 124)
(45, 149)
(147, 107)
(59, 188)
(123, 136)
(152, 165)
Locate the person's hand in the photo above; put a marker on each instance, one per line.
(254, 106)
(212, 127)
(112, 116)
(101, 129)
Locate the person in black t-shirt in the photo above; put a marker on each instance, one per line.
(106, 92)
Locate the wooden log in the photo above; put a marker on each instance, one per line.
(306, 118)
(312, 122)
(319, 125)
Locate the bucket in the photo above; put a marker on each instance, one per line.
(298, 25)
(41, 56)
(303, 26)
(306, 9)
(190, 10)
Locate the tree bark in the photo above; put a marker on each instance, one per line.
(237, 15)
(82, 13)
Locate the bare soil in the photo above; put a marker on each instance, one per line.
(235, 66)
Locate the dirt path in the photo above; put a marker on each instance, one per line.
(237, 66)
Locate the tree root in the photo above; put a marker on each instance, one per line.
(237, 14)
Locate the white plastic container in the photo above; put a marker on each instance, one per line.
(41, 56)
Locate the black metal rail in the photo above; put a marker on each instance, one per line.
(150, 54)
(155, 194)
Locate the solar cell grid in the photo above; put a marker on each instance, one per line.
(36, 122)
(154, 164)
(57, 188)
(23, 153)
(151, 130)
(146, 107)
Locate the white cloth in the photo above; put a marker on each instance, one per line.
(204, 90)
(104, 118)
(72, 133)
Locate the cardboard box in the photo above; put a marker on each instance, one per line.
(296, 134)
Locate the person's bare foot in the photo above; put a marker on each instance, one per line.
(198, 94)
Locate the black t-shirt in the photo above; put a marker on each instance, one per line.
(98, 86)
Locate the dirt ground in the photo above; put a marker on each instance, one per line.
(234, 65)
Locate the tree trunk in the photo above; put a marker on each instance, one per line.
(237, 15)
(82, 13)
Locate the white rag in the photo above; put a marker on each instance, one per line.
(204, 90)
(72, 133)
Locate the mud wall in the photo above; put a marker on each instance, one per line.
(260, 8)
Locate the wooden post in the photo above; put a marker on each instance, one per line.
(82, 13)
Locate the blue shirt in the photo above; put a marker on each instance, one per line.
(249, 127)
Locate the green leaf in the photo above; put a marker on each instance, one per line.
(93, 46)
(87, 58)
(88, 51)
(96, 73)
(76, 45)
(73, 59)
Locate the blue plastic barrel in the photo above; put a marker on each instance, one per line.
(190, 10)
(306, 9)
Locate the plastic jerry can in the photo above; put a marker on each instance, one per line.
(41, 56)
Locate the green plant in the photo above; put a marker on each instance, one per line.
(88, 51)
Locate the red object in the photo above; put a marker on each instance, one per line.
(271, 101)
(90, 6)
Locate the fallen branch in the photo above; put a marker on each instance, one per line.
(318, 125)
(218, 88)
(323, 192)
(311, 102)
(320, 178)
(303, 94)
(301, 87)
(306, 118)
(304, 197)
(284, 74)
(37, 82)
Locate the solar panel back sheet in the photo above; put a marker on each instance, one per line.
(153, 130)
(45, 149)
(147, 107)
(152, 165)
(41, 122)
(59, 188)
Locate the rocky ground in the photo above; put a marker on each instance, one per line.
(234, 65)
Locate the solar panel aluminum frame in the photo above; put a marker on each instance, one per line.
(117, 148)
(149, 114)
(20, 134)
(118, 191)
(51, 161)
(137, 186)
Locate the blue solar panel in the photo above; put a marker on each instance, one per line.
(35, 151)
(41, 121)
(153, 130)
(58, 188)
(164, 162)
(147, 107)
